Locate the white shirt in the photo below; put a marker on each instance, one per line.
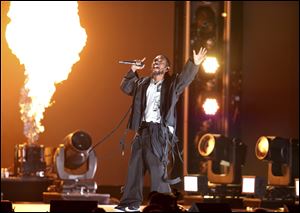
(152, 111)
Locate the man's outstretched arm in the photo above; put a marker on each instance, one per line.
(190, 70)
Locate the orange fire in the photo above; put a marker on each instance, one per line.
(47, 38)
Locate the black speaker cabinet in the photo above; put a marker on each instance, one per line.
(210, 207)
(6, 206)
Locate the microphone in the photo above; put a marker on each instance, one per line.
(134, 62)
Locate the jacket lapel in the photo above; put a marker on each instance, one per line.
(145, 85)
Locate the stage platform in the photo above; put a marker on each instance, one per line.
(42, 207)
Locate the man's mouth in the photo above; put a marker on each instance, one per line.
(156, 68)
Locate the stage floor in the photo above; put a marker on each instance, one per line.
(43, 207)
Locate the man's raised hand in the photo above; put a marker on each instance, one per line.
(200, 57)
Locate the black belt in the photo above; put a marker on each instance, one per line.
(145, 124)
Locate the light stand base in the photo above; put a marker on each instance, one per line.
(101, 198)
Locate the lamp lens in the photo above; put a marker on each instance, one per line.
(206, 145)
(262, 148)
(81, 141)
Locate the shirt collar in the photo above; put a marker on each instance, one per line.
(156, 82)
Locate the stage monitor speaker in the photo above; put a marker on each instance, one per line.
(6, 206)
(234, 203)
(210, 207)
(73, 205)
(275, 204)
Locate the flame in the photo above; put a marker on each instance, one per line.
(47, 38)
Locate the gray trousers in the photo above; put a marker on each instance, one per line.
(142, 160)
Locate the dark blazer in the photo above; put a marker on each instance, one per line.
(172, 87)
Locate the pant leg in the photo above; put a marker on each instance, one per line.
(155, 165)
(133, 190)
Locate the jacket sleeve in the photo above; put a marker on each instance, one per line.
(186, 76)
(128, 83)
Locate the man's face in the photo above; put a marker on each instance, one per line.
(159, 65)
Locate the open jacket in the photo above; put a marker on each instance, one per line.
(172, 87)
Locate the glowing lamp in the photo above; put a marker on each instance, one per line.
(282, 156)
(210, 65)
(248, 185)
(190, 183)
(225, 157)
(210, 106)
(195, 184)
(254, 186)
(297, 187)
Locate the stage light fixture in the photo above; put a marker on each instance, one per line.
(282, 155)
(75, 164)
(225, 157)
(74, 154)
(253, 186)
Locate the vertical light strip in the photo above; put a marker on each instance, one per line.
(226, 71)
(186, 91)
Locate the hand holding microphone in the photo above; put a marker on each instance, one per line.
(135, 64)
